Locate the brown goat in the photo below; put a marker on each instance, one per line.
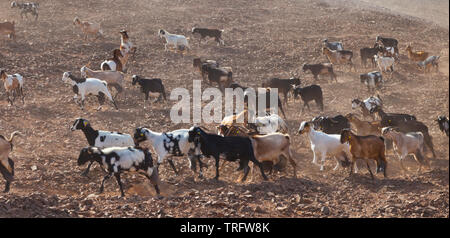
(416, 55)
(13, 85)
(364, 128)
(7, 164)
(366, 147)
(339, 56)
(8, 28)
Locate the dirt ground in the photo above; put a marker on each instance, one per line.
(263, 39)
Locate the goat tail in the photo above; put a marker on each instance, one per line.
(14, 134)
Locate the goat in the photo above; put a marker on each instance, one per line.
(114, 63)
(392, 119)
(325, 145)
(88, 86)
(366, 147)
(368, 53)
(413, 126)
(232, 147)
(373, 80)
(338, 56)
(443, 124)
(310, 93)
(416, 55)
(89, 28)
(368, 105)
(333, 45)
(126, 47)
(8, 28)
(268, 124)
(13, 85)
(204, 32)
(283, 85)
(266, 95)
(405, 144)
(198, 64)
(386, 42)
(431, 61)
(384, 63)
(120, 159)
(330, 125)
(154, 85)
(113, 78)
(25, 8)
(223, 76)
(390, 52)
(320, 69)
(168, 145)
(173, 40)
(270, 148)
(7, 164)
(364, 128)
(100, 139)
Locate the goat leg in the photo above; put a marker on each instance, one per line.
(117, 175)
(103, 182)
(217, 168)
(173, 166)
(370, 171)
(86, 171)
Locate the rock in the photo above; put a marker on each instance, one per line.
(325, 210)
(33, 168)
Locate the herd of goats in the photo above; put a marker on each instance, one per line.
(241, 137)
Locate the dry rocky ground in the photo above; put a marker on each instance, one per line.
(263, 39)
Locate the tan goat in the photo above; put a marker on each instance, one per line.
(416, 55)
(338, 56)
(88, 28)
(8, 28)
(7, 164)
(405, 144)
(364, 128)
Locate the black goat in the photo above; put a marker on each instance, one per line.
(392, 119)
(232, 147)
(216, 75)
(368, 53)
(320, 69)
(310, 93)
(443, 124)
(150, 85)
(283, 85)
(331, 125)
(204, 32)
(387, 42)
(267, 97)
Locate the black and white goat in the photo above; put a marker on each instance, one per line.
(330, 125)
(443, 124)
(101, 139)
(373, 80)
(333, 45)
(368, 105)
(88, 86)
(120, 159)
(153, 85)
(25, 8)
(167, 145)
(232, 148)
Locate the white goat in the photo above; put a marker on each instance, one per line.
(384, 62)
(326, 145)
(270, 124)
(113, 78)
(88, 86)
(173, 40)
(405, 144)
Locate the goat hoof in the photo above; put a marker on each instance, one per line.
(159, 197)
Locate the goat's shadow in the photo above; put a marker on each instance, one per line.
(392, 184)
